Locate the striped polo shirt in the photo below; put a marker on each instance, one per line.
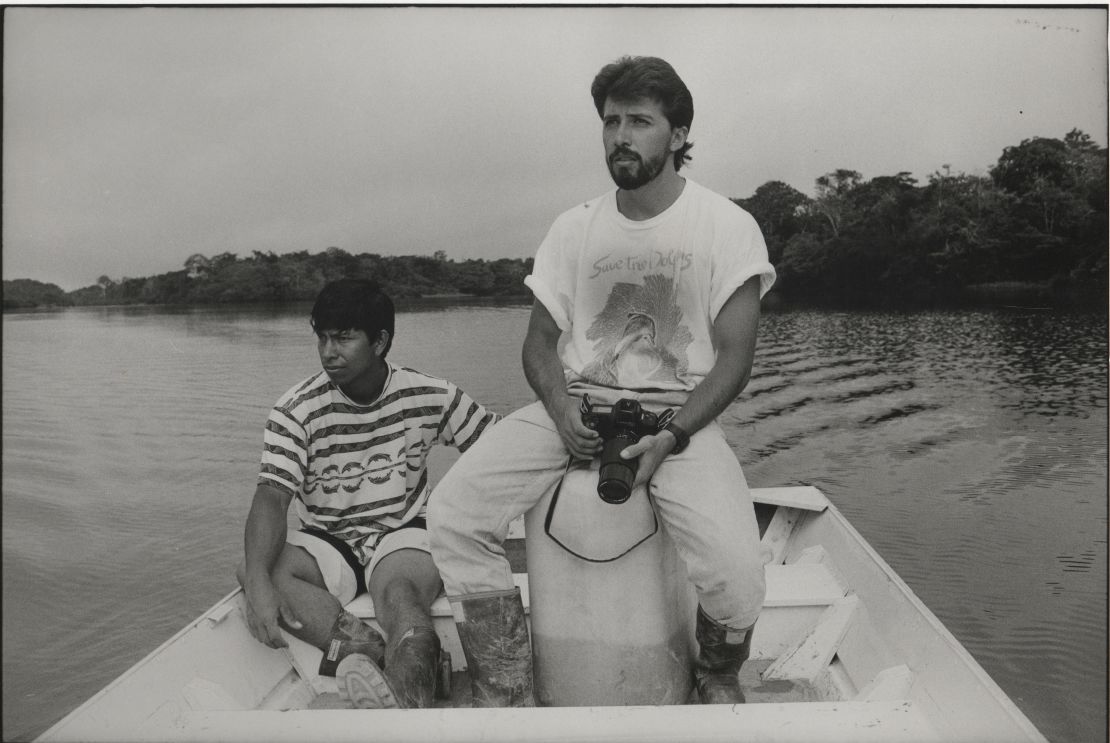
(358, 471)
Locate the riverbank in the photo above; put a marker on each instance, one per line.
(1043, 295)
(401, 303)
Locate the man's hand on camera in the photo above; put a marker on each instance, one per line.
(580, 441)
(651, 450)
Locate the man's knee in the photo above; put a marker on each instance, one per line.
(401, 591)
(408, 576)
(404, 600)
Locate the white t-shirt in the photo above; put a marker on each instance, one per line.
(636, 300)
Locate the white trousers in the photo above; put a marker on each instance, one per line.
(701, 497)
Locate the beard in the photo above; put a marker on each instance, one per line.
(632, 176)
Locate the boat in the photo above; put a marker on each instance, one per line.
(844, 652)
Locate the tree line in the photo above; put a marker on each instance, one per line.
(1033, 230)
(292, 277)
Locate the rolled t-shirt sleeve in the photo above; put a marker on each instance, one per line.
(552, 279)
(464, 420)
(740, 254)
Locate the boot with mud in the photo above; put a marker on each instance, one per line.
(717, 667)
(350, 635)
(407, 680)
(495, 641)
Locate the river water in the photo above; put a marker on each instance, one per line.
(968, 447)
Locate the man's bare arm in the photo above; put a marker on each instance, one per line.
(544, 372)
(734, 334)
(263, 541)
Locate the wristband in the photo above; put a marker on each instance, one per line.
(681, 438)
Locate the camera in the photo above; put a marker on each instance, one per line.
(620, 425)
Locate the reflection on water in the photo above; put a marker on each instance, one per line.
(969, 448)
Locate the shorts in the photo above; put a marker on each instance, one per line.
(344, 577)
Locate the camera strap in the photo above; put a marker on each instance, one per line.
(551, 512)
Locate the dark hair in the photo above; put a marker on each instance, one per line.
(354, 304)
(631, 78)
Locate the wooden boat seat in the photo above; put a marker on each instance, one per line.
(787, 585)
(363, 607)
(802, 584)
(798, 584)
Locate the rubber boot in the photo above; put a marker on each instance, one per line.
(406, 681)
(412, 665)
(494, 636)
(350, 635)
(721, 653)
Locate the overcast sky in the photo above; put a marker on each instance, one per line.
(135, 137)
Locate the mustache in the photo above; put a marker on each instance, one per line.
(623, 152)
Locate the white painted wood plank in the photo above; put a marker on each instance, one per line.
(201, 693)
(305, 660)
(805, 497)
(814, 651)
(778, 534)
(817, 554)
(888, 685)
(863, 651)
(828, 722)
(363, 606)
(812, 556)
(787, 585)
(802, 585)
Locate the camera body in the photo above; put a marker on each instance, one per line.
(620, 425)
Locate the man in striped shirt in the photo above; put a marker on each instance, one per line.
(349, 446)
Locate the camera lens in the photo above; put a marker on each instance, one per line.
(615, 491)
(614, 482)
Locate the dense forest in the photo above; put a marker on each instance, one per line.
(1033, 231)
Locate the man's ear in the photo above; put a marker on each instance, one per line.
(381, 343)
(678, 137)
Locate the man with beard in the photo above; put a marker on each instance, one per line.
(688, 264)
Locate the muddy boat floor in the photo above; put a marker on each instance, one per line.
(756, 690)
